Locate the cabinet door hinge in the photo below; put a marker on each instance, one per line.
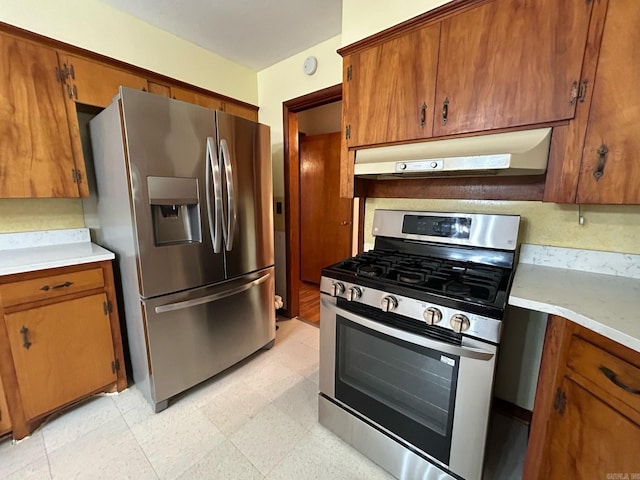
(347, 132)
(115, 365)
(349, 73)
(560, 401)
(107, 307)
(573, 95)
(582, 91)
(59, 73)
(76, 175)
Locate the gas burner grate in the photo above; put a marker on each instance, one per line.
(465, 280)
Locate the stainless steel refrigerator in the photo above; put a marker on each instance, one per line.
(184, 199)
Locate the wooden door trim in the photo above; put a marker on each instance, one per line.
(290, 111)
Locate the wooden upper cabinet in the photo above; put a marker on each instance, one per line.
(36, 154)
(507, 63)
(215, 103)
(196, 98)
(610, 159)
(159, 89)
(93, 83)
(239, 110)
(389, 89)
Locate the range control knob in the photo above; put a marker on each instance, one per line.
(354, 293)
(432, 315)
(337, 289)
(388, 303)
(402, 166)
(433, 164)
(460, 323)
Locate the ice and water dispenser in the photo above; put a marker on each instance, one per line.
(174, 210)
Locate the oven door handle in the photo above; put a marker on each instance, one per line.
(461, 351)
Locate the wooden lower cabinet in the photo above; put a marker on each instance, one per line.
(586, 417)
(5, 420)
(58, 350)
(589, 438)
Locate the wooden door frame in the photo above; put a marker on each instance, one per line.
(290, 110)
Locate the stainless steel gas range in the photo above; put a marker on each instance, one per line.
(409, 333)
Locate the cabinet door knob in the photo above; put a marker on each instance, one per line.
(25, 337)
(602, 158)
(423, 115)
(445, 111)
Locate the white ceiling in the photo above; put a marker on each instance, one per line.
(253, 33)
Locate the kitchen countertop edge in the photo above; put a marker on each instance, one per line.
(52, 256)
(604, 303)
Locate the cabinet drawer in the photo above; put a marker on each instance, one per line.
(619, 378)
(51, 286)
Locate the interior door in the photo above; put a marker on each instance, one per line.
(325, 217)
(245, 165)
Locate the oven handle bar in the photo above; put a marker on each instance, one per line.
(462, 351)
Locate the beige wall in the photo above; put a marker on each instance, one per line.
(28, 215)
(319, 120)
(606, 227)
(277, 84)
(97, 27)
(361, 18)
(285, 81)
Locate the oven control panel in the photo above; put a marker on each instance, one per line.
(459, 321)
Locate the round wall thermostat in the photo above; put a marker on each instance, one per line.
(310, 65)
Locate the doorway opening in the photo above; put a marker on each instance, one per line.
(318, 223)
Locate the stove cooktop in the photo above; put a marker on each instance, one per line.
(448, 271)
(465, 280)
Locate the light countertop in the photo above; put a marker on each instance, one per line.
(31, 251)
(571, 283)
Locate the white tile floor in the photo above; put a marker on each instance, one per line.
(258, 420)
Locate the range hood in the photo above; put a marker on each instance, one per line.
(515, 153)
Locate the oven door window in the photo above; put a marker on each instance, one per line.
(406, 388)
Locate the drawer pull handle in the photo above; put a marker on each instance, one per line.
(423, 115)
(46, 288)
(25, 337)
(612, 376)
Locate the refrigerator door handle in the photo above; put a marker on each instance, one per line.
(213, 209)
(230, 228)
(213, 297)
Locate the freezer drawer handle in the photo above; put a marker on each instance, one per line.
(211, 298)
